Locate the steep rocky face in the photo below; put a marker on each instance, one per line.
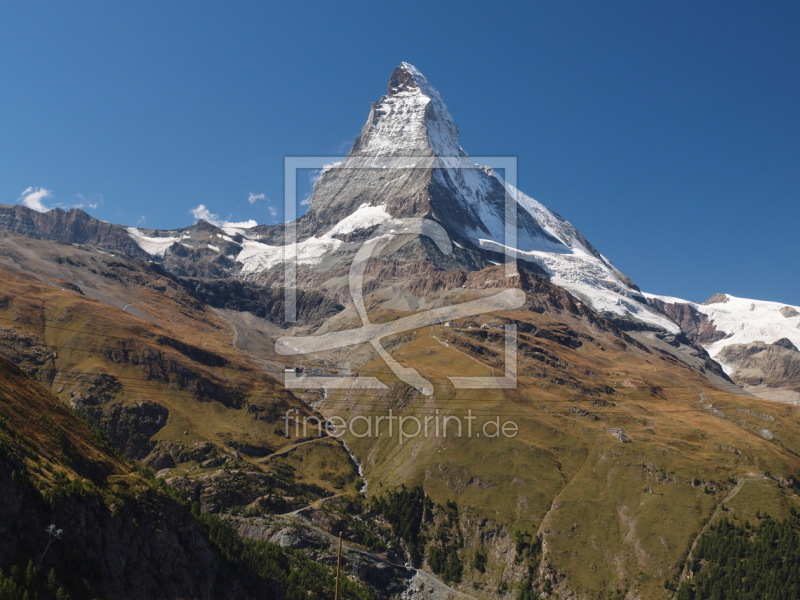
(776, 365)
(264, 301)
(695, 324)
(73, 227)
(121, 538)
(411, 120)
(201, 250)
(130, 427)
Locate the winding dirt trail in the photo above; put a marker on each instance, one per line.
(735, 490)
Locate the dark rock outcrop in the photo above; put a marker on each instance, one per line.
(693, 323)
(130, 427)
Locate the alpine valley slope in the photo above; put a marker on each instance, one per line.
(120, 534)
(630, 438)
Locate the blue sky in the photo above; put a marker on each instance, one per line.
(667, 132)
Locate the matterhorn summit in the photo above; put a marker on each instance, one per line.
(410, 120)
(372, 184)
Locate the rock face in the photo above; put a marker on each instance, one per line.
(73, 227)
(262, 301)
(697, 325)
(130, 427)
(776, 364)
(789, 312)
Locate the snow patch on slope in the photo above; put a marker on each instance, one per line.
(561, 251)
(234, 229)
(364, 217)
(256, 257)
(154, 246)
(591, 281)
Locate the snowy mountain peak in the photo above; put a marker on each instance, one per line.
(407, 78)
(410, 120)
(404, 78)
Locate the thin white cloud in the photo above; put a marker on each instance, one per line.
(85, 202)
(329, 166)
(141, 220)
(34, 197)
(315, 174)
(202, 212)
(273, 212)
(253, 198)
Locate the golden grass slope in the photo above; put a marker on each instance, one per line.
(612, 515)
(112, 337)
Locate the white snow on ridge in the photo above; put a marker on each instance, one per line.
(443, 133)
(256, 256)
(564, 257)
(746, 321)
(592, 281)
(553, 224)
(234, 229)
(154, 246)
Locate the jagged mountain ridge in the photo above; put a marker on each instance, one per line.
(73, 226)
